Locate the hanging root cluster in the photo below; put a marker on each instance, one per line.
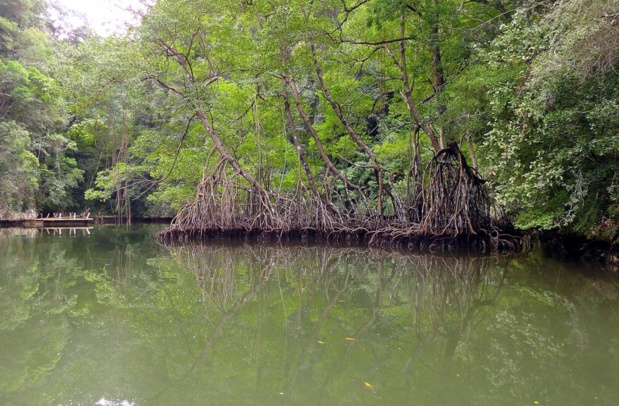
(450, 210)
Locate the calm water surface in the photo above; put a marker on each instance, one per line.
(109, 317)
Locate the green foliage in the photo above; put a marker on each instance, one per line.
(532, 84)
(59, 173)
(41, 171)
(7, 32)
(552, 148)
(18, 167)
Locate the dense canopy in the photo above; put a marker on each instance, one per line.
(378, 118)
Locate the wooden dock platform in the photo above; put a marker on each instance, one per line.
(58, 222)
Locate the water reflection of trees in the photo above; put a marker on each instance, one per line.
(36, 293)
(46, 295)
(322, 314)
(296, 325)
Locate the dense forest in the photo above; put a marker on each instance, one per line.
(393, 117)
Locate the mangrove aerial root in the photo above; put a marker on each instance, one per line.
(450, 210)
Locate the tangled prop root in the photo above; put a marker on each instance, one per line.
(451, 211)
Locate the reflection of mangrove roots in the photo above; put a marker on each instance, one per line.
(434, 301)
(450, 208)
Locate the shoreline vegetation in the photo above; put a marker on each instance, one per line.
(432, 125)
(452, 210)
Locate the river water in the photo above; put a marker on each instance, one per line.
(107, 316)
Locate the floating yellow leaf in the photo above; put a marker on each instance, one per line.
(369, 385)
(351, 339)
(320, 342)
